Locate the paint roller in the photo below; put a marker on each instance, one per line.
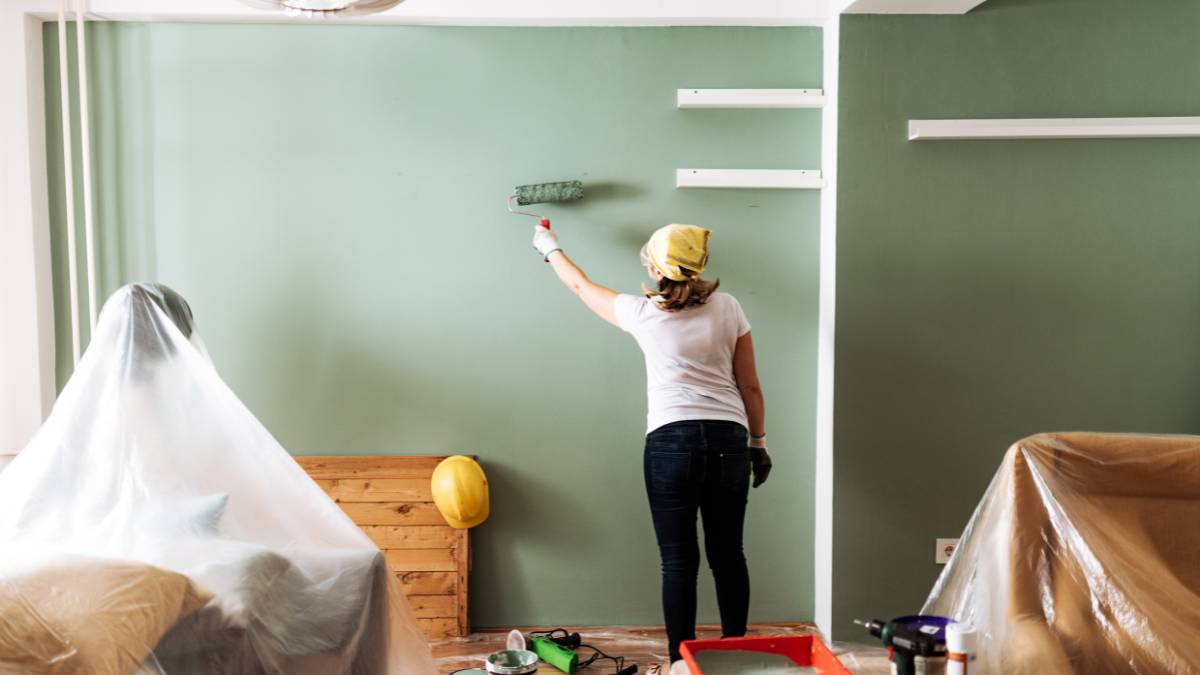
(544, 193)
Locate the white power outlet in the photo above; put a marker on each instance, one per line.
(945, 549)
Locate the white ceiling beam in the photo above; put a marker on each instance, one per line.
(492, 12)
(910, 6)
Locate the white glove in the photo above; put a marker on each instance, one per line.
(545, 241)
(760, 461)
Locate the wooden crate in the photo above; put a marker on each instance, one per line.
(390, 499)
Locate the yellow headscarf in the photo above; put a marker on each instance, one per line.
(675, 250)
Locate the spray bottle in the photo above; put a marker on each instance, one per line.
(961, 641)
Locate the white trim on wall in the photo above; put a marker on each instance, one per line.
(826, 304)
(27, 384)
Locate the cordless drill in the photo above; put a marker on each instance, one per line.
(909, 637)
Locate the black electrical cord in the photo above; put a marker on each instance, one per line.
(618, 661)
(566, 639)
(571, 640)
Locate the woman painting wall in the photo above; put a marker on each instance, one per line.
(706, 420)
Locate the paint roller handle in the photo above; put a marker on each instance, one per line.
(545, 222)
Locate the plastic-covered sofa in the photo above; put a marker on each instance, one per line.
(1084, 557)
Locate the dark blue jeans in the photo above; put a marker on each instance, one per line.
(699, 466)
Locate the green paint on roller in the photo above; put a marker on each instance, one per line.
(555, 654)
(539, 193)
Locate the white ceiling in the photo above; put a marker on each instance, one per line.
(534, 12)
(501, 12)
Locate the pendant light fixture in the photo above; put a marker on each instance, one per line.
(325, 8)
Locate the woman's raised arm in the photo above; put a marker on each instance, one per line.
(599, 299)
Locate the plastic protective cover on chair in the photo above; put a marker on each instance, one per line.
(149, 457)
(1083, 557)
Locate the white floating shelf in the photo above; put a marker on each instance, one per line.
(1083, 127)
(751, 98)
(784, 179)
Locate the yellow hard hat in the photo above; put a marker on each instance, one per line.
(460, 491)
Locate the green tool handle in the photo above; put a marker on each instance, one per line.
(555, 654)
(904, 662)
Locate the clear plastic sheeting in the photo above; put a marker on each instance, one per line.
(1083, 557)
(153, 503)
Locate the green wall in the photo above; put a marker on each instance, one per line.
(331, 201)
(988, 290)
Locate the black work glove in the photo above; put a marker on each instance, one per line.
(760, 461)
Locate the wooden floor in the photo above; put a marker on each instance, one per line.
(646, 647)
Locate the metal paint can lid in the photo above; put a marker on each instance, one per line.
(512, 662)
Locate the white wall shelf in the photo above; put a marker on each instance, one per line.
(780, 179)
(750, 98)
(1083, 127)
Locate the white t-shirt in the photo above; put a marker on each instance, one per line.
(689, 358)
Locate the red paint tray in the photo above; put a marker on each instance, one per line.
(803, 650)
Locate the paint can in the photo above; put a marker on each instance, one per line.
(929, 665)
(512, 662)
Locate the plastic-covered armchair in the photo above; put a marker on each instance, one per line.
(1084, 557)
(150, 469)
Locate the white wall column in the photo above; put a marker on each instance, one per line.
(823, 526)
(27, 385)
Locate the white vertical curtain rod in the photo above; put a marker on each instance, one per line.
(68, 175)
(86, 160)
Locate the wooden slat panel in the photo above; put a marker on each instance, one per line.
(387, 537)
(462, 561)
(378, 489)
(436, 629)
(422, 560)
(390, 498)
(339, 467)
(393, 513)
(433, 606)
(428, 583)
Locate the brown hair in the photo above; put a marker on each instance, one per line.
(673, 296)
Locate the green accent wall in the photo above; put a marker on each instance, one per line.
(988, 290)
(331, 200)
